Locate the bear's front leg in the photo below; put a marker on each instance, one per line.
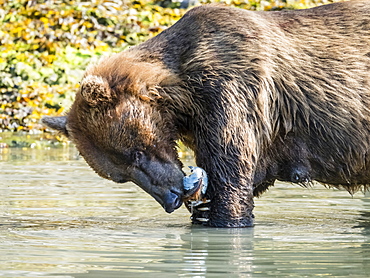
(229, 198)
(227, 146)
(232, 207)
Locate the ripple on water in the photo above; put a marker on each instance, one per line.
(59, 219)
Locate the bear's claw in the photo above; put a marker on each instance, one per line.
(199, 211)
(203, 208)
(202, 219)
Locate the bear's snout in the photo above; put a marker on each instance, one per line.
(171, 201)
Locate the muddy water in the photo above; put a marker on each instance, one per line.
(59, 219)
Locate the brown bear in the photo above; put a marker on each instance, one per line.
(258, 96)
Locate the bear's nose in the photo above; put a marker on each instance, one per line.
(171, 202)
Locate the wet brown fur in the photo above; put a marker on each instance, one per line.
(258, 96)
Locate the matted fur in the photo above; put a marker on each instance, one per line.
(258, 96)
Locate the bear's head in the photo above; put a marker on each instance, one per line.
(122, 133)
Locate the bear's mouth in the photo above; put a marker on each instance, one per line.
(170, 201)
(167, 191)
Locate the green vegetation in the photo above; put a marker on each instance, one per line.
(46, 45)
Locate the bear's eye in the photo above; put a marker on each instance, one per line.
(138, 157)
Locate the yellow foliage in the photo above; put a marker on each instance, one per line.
(45, 46)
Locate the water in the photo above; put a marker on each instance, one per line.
(59, 219)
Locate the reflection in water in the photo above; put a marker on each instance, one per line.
(212, 251)
(59, 219)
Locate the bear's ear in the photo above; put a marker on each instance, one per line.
(95, 90)
(56, 123)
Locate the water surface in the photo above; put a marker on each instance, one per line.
(59, 219)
